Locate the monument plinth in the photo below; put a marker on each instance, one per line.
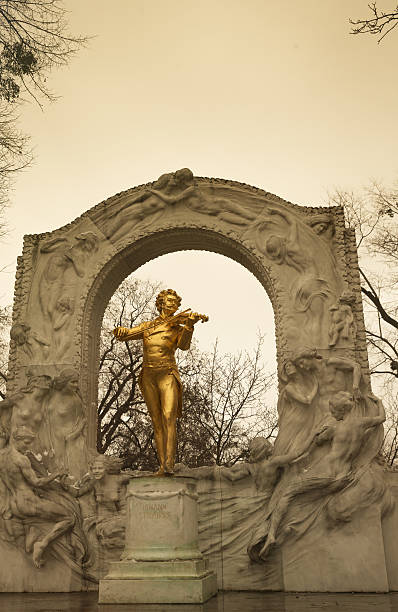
(161, 562)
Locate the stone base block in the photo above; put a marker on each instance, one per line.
(126, 570)
(188, 582)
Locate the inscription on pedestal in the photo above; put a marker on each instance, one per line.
(155, 511)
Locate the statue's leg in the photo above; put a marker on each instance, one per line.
(150, 390)
(276, 519)
(169, 393)
(51, 512)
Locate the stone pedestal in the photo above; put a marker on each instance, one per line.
(161, 562)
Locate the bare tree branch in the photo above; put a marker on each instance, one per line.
(379, 23)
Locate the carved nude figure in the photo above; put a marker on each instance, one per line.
(263, 466)
(22, 501)
(108, 487)
(332, 472)
(66, 425)
(150, 204)
(334, 374)
(342, 327)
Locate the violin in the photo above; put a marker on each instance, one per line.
(183, 316)
(180, 317)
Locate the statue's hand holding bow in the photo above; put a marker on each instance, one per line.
(121, 333)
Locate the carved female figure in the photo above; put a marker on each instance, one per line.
(308, 290)
(67, 425)
(57, 286)
(295, 408)
(322, 225)
(149, 205)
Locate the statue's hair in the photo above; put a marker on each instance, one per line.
(260, 448)
(37, 381)
(275, 247)
(282, 370)
(23, 432)
(305, 353)
(89, 239)
(162, 296)
(341, 398)
(17, 329)
(347, 296)
(64, 377)
(112, 465)
(319, 218)
(184, 175)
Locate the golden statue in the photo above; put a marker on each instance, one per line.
(159, 379)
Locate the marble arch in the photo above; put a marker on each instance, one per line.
(303, 256)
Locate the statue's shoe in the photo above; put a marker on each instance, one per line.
(160, 472)
(168, 470)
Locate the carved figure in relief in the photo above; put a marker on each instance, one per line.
(334, 374)
(296, 408)
(22, 502)
(32, 344)
(57, 286)
(332, 472)
(224, 209)
(149, 205)
(108, 486)
(159, 378)
(26, 407)
(342, 327)
(322, 225)
(263, 467)
(308, 291)
(65, 426)
(169, 189)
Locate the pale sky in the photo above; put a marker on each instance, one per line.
(274, 94)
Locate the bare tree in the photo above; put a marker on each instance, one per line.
(380, 22)
(226, 403)
(374, 216)
(390, 446)
(14, 156)
(5, 324)
(34, 38)
(224, 395)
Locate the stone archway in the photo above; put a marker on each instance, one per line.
(304, 258)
